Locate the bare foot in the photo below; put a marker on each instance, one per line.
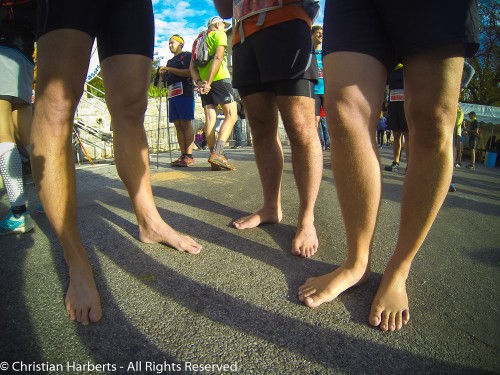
(263, 216)
(165, 234)
(82, 300)
(305, 243)
(390, 310)
(318, 290)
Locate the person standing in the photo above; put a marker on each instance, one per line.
(473, 132)
(273, 81)
(180, 99)
(357, 59)
(17, 44)
(396, 118)
(67, 30)
(324, 135)
(238, 127)
(213, 82)
(319, 88)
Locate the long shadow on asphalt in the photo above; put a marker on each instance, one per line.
(321, 345)
(14, 313)
(115, 339)
(106, 341)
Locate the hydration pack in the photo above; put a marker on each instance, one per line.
(201, 57)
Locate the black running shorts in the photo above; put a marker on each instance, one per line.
(391, 29)
(221, 92)
(396, 119)
(279, 59)
(120, 26)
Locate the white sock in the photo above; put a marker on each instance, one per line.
(11, 171)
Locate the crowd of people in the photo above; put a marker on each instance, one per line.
(344, 73)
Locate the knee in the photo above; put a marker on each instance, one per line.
(433, 124)
(128, 107)
(230, 112)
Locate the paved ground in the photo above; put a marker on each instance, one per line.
(235, 304)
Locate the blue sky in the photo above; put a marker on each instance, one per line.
(186, 18)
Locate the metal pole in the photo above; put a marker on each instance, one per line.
(168, 132)
(158, 133)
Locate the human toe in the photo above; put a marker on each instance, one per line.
(375, 317)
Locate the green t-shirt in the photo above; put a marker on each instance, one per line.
(214, 40)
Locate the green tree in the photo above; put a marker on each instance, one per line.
(484, 87)
(95, 86)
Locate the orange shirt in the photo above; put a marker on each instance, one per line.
(273, 17)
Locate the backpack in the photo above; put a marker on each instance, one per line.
(200, 54)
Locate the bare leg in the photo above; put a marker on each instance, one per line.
(262, 114)
(307, 160)
(397, 145)
(22, 118)
(185, 135)
(431, 112)
(127, 102)
(230, 117)
(210, 118)
(352, 112)
(6, 123)
(62, 64)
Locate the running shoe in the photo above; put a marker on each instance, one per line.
(471, 166)
(177, 162)
(394, 167)
(39, 208)
(183, 161)
(186, 162)
(12, 224)
(452, 188)
(220, 161)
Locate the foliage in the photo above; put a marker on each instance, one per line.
(484, 87)
(96, 85)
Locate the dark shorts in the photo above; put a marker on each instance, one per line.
(121, 27)
(221, 92)
(391, 29)
(280, 66)
(318, 102)
(180, 108)
(396, 119)
(473, 142)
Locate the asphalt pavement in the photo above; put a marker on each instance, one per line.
(234, 307)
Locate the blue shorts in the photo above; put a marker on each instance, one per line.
(180, 108)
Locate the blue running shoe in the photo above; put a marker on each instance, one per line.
(39, 208)
(12, 224)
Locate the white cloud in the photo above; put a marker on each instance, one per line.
(186, 19)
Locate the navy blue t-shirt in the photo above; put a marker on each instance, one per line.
(181, 61)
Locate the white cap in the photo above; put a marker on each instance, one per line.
(217, 19)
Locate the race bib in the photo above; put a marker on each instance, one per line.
(175, 89)
(246, 8)
(397, 95)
